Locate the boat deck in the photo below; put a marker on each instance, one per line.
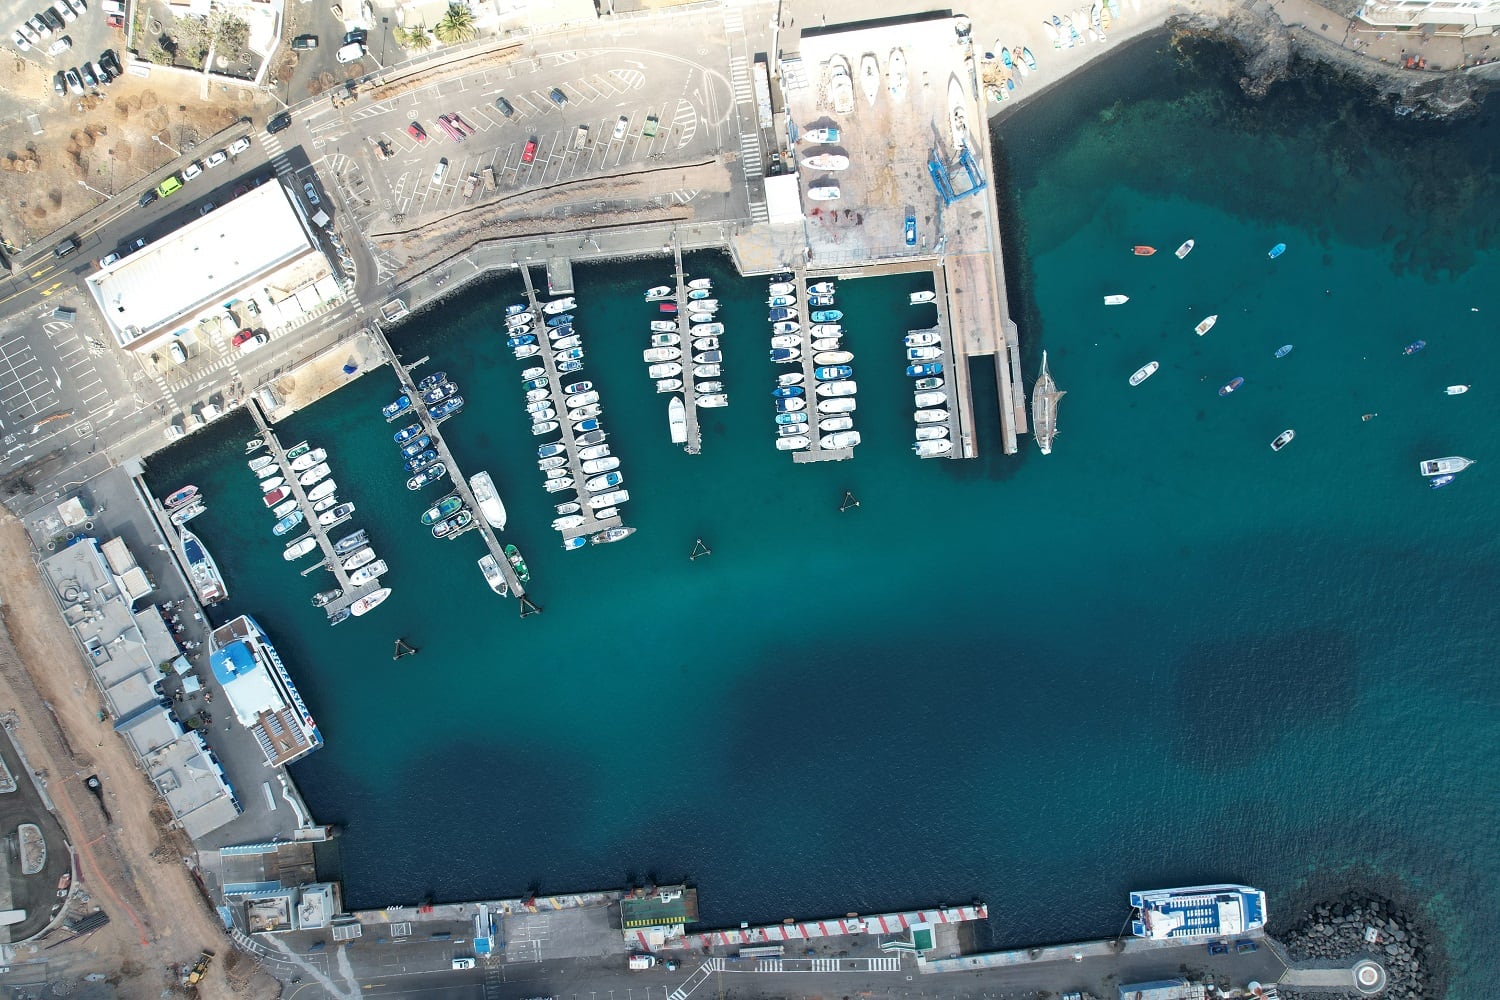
(569, 438)
(694, 443)
(330, 560)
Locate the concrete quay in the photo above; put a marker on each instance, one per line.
(694, 443)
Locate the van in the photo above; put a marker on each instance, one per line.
(66, 247)
(169, 186)
(177, 353)
(115, 7)
(349, 53)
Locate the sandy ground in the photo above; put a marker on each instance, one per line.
(103, 141)
(134, 867)
(310, 382)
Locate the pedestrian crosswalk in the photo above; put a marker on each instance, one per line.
(733, 20)
(739, 78)
(768, 965)
(886, 964)
(279, 161)
(750, 155)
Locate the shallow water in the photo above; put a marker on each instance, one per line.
(1162, 655)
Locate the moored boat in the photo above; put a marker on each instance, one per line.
(493, 575)
(932, 447)
(368, 574)
(358, 558)
(301, 547)
(611, 535)
(448, 505)
(558, 306)
(313, 475)
(326, 597)
(602, 501)
(488, 498)
(828, 424)
(1144, 372)
(918, 298)
(427, 476)
(304, 462)
(272, 484)
(350, 542)
(832, 358)
(796, 442)
(1194, 912)
(1206, 325)
(202, 570)
(671, 369)
(1185, 249)
(369, 602)
(827, 315)
(712, 400)
(513, 554)
(839, 439)
(264, 461)
(322, 490)
(677, 420)
(394, 409)
(288, 522)
(180, 497)
(665, 340)
(1044, 399)
(1443, 466)
(701, 283)
(930, 398)
(453, 524)
(921, 338)
(1282, 439)
(658, 292)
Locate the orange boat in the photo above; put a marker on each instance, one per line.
(1143, 251)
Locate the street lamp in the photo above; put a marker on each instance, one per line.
(93, 189)
(385, 25)
(157, 139)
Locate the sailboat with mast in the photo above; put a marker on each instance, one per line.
(1044, 397)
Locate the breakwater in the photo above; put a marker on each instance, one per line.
(1355, 925)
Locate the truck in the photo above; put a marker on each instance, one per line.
(639, 963)
(470, 185)
(200, 967)
(490, 182)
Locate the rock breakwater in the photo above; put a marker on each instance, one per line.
(1361, 925)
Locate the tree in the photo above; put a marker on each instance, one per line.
(160, 56)
(415, 39)
(456, 26)
(230, 33)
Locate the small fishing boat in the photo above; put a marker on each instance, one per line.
(446, 408)
(781, 313)
(267, 485)
(350, 542)
(1443, 466)
(606, 481)
(585, 412)
(820, 136)
(604, 501)
(782, 288)
(1143, 251)
(454, 524)
(276, 496)
(703, 305)
(658, 292)
(594, 467)
(536, 372)
(788, 391)
(1414, 347)
(566, 343)
(288, 522)
(254, 445)
(1231, 385)
(701, 317)
(583, 398)
(568, 367)
(574, 354)
(592, 437)
(369, 602)
(796, 442)
(427, 476)
(826, 330)
(263, 462)
(417, 461)
(586, 424)
(180, 497)
(493, 575)
(1206, 325)
(555, 462)
(668, 384)
(325, 597)
(928, 383)
(706, 344)
(573, 388)
(298, 450)
(781, 300)
(1144, 372)
(1116, 300)
(1440, 481)
(1283, 350)
(568, 522)
(438, 393)
(833, 357)
(444, 507)
(432, 381)
(820, 301)
(1030, 59)
(408, 432)
(790, 404)
(791, 418)
(368, 574)
(786, 340)
(394, 409)
(923, 338)
(1456, 390)
(923, 353)
(1185, 249)
(521, 341)
(301, 547)
(665, 340)
(1277, 251)
(558, 485)
(827, 316)
(1282, 439)
(784, 327)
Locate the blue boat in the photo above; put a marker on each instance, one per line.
(416, 447)
(926, 368)
(560, 332)
(408, 432)
(295, 518)
(1005, 57)
(591, 424)
(1438, 481)
(819, 301)
(535, 383)
(1283, 350)
(575, 542)
(785, 354)
(515, 308)
(548, 450)
(439, 393)
(829, 372)
(569, 366)
(1200, 911)
(1277, 251)
(1414, 346)
(417, 461)
(525, 338)
(572, 354)
(447, 407)
(787, 391)
(777, 315)
(562, 320)
(827, 315)
(791, 418)
(782, 300)
(436, 378)
(789, 404)
(393, 410)
(431, 474)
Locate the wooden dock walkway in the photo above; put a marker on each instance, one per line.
(694, 443)
(559, 400)
(420, 413)
(955, 375)
(814, 452)
(331, 560)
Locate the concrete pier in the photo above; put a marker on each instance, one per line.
(331, 560)
(570, 443)
(814, 452)
(694, 442)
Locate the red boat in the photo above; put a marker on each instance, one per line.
(276, 496)
(668, 307)
(1143, 251)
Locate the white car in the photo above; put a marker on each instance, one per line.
(65, 11)
(621, 126)
(106, 261)
(60, 46)
(439, 171)
(192, 170)
(238, 146)
(254, 343)
(214, 159)
(27, 32)
(77, 6)
(21, 42)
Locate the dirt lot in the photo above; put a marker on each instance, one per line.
(104, 141)
(134, 867)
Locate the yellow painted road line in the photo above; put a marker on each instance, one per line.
(39, 273)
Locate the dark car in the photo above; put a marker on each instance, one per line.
(505, 107)
(137, 244)
(59, 84)
(54, 19)
(304, 42)
(279, 121)
(111, 63)
(356, 37)
(66, 247)
(148, 196)
(88, 75)
(557, 97)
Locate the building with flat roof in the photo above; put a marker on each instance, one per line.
(261, 692)
(257, 247)
(652, 917)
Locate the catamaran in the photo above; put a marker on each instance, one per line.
(1201, 911)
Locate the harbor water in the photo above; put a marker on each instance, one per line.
(1162, 655)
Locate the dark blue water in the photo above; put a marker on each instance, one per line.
(1162, 655)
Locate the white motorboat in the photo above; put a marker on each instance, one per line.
(568, 522)
(790, 378)
(322, 491)
(712, 400)
(832, 358)
(492, 574)
(595, 466)
(272, 484)
(669, 370)
(558, 485)
(842, 404)
(1185, 249)
(782, 288)
(603, 481)
(1456, 390)
(787, 430)
(702, 317)
(796, 442)
(709, 370)
(842, 387)
(279, 511)
(918, 298)
(840, 94)
(822, 136)
(924, 338)
(368, 574)
(313, 475)
(531, 373)
(933, 398)
(820, 288)
(582, 399)
(786, 326)
(924, 353)
(826, 330)
(821, 344)
(358, 558)
(299, 548)
(668, 384)
(706, 344)
(826, 161)
(610, 499)
(658, 292)
(703, 283)
(703, 305)
(1283, 439)
(709, 387)
(593, 451)
(932, 448)
(677, 420)
(567, 343)
(824, 192)
(306, 461)
(1444, 466)
(958, 114)
(263, 461)
(558, 306)
(488, 499)
(869, 77)
(585, 412)
(931, 432)
(537, 395)
(554, 462)
(663, 326)
(835, 423)
(791, 404)
(1144, 372)
(1116, 300)
(930, 382)
(786, 340)
(840, 439)
(1206, 325)
(930, 416)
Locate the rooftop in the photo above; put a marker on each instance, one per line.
(261, 692)
(666, 906)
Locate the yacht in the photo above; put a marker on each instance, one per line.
(828, 424)
(611, 535)
(1197, 912)
(602, 500)
(1432, 466)
(930, 416)
(931, 432)
(671, 369)
(933, 398)
(677, 420)
(843, 387)
(668, 384)
(202, 570)
(368, 574)
(796, 443)
(492, 574)
(595, 466)
(604, 481)
(299, 548)
(932, 448)
(306, 461)
(845, 404)
(840, 439)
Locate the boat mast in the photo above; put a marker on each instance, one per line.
(1044, 397)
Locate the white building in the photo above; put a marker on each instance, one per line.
(1434, 17)
(258, 248)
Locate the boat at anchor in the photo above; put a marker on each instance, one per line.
(1044, 399)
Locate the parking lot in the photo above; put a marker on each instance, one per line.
(82, 36)
(390, 174)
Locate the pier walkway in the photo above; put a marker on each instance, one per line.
(694, 442)
(814, 452)
(420, 413)
(570, 442)
(806, 930)
(331, 560)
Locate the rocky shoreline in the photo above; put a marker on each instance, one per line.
(1361, 924)
(1271, 50)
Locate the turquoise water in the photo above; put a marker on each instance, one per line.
(1162, 655)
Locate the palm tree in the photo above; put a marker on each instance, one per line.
(413, 38)
(456, 26)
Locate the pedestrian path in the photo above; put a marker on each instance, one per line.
(277, 153)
